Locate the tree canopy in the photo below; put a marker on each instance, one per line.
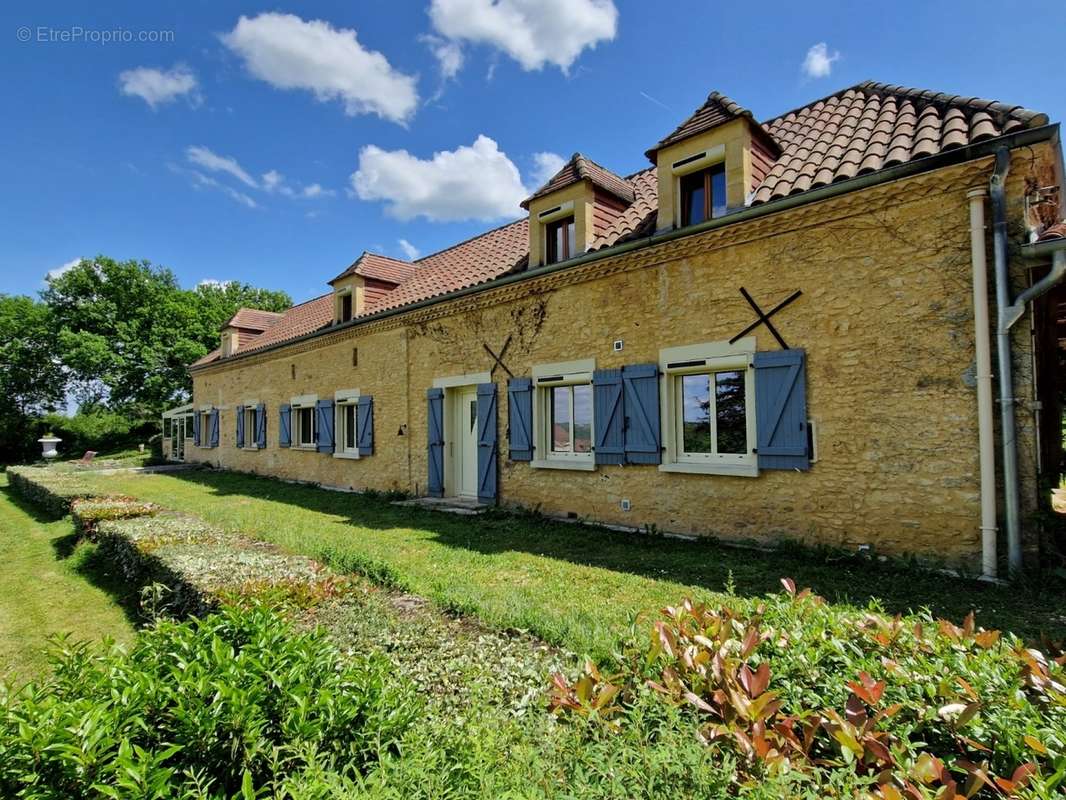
(126, 331)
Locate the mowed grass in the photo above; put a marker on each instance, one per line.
(49, 585)
(573, 585)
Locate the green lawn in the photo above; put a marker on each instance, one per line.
(47, 586)
(572, 585)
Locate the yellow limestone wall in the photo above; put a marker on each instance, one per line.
(885, 318)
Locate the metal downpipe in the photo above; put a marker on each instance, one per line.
(1012, 518)
(985, 403)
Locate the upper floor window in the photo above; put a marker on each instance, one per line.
(703, 195)
(346, 307)
(561, 240)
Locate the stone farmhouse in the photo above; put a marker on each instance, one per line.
(840, 326)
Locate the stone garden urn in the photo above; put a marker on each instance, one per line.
(48, 445)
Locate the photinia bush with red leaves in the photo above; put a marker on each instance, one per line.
(917, 708)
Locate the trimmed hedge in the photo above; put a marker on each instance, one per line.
(202, 565)
(51, 490)
(88, 512)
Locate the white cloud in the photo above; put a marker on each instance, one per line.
(818, 62)
(471, 182)
(316, 190)
(203, 157)
(532, 32)
(410, 252)
(214, 284)
(272, 180)
(546, 165)
(449, 54)
(157, 87)
(62, 270)
(200, 181)
(290, 53)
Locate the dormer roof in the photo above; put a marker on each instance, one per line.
(716, 110)
(579, 168)
(379, 267)
(253, 320)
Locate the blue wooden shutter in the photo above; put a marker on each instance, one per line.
(487, 439)
(214, 427)
(196, 428)
(364, 427)
(284, 425)
(520, 418)
(240, 426)
(325, 426)
(260, 426)
(608, 417)
(640, 383)
(781, 409)
(435, 417)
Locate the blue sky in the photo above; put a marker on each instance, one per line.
(273, 144)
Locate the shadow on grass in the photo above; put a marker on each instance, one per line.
(85, 560)
(1033, 609)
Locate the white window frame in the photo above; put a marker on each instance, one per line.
(705, 160)
(565, 373)
(250, 440)
(296, 403)
(712, 357)
(205, 427)
(344, 399)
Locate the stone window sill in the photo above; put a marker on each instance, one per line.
(349, 456)
(740, 470)
(584, 465)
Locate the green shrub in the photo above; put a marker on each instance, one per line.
(99, 429)
(51, 490)
(916, 707)
(236, 701)
(202, 565)
(88, 513)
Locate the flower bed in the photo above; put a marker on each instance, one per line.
(202, 565)
(88, 512)
(51, 490)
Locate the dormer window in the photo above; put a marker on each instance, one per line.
(346, 307)
(703, 195)
(561, 240)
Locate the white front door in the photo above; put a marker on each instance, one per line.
(465, 427)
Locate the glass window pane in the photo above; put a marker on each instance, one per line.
(696, 411)
(692, 198)
(571, 239)
(583, 418)
(718, 205)
(558, 252)
(349, 427)
(560, 405)
(730, 412)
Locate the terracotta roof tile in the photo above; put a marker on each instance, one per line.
(503, 250)
(879, 125)
(580, 168)
(253, 319)
(716, 110)
(1056, 231)
(379, 267)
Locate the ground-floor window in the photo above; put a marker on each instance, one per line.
(563, 415)
(346, 425)
(303, 422)
(250, 434)
(709, 408)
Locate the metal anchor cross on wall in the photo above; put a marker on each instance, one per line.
(764, 318)
(498, 359)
